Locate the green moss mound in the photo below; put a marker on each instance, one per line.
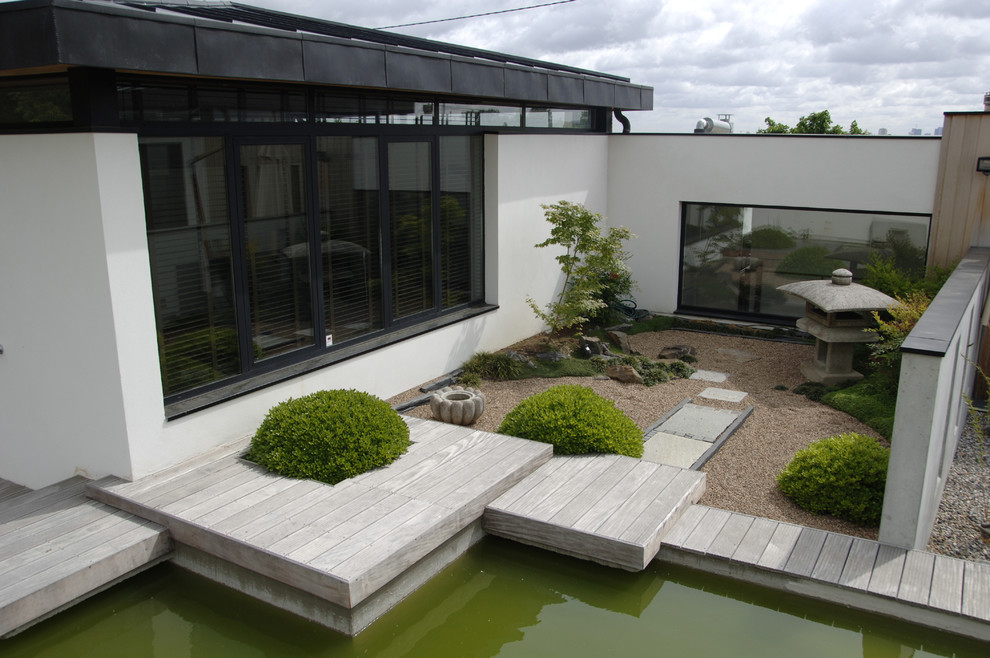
(576, 421)
(842, 475)
(329, 436)
(868, 401)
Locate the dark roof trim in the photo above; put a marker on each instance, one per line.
(200, 39)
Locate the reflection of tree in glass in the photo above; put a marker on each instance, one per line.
(719, 228)
(44, 104)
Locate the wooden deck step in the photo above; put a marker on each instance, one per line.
(916, 586)
(610, 509)
(340, 543)
(58, 547)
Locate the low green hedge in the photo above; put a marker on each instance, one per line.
(329, 436)
(576, 421)
(842, 475)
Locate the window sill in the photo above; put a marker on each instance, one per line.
(249, 384)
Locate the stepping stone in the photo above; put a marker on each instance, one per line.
(739, 356)
(709, 376)
(696, 422)
(674, 450)
(723, 394)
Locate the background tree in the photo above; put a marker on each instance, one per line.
(816, 123)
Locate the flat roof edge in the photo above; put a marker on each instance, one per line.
(140, 40)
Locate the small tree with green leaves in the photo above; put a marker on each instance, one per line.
(815, 123)
(588, 262)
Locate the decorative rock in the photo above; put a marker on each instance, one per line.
(621, 339)
(625, 326)
(551, 356)
(624, 374)
(521, 358)
(592, 344)
(677, 351)
(458, 405)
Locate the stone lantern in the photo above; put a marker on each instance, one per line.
(836, 312)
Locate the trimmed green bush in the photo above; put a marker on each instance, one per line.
(842, 475)
(576, 421)
(329, 436)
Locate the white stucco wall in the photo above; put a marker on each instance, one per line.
(80, 378)
(651, 175)
(71, 263)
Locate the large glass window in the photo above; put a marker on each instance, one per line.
(268, 251)
(410, 200)
(350, 231)
(733, 258)
(186, 210)
(277, 247)
(461, 212)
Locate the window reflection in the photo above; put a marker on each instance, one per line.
(735, 257)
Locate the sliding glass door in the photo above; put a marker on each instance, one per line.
(276, 237)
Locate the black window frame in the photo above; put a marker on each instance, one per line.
(255, 375)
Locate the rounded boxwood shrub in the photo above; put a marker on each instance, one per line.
(842, 475)
(576, 421)
(329, 436)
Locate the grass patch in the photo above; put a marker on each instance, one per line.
(656, 323)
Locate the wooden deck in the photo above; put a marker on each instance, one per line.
(611, 509)
(58, 547)
(338, 543)
(918, 586)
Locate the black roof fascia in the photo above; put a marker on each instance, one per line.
(133, 36)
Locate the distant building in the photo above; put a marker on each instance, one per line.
(882, 131)
(938, 131)
(915, 131)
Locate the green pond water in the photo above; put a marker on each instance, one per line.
(499, 599)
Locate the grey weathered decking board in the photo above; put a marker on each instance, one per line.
(779, 548)
(731, 535)
(606, 508)
(59, 547)
(832, 559)
(976, 590)
(343, 542)
(705, 532)
(916, 578)
(887, 571)
(29, 506)
(11, 490)
(807, 549)
(947, 584)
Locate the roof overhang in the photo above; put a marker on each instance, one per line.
(163, 38)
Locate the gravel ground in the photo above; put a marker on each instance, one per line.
(964, 503)
(741, 476)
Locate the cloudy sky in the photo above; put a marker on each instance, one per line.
(895, 64)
